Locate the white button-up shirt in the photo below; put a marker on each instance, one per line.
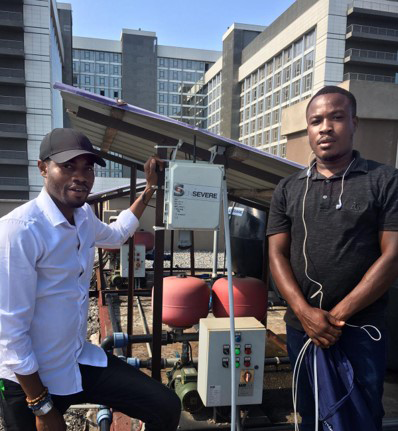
(45, 269)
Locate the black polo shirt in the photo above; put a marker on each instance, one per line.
(341, 244)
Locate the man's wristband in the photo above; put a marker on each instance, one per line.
(42, 407)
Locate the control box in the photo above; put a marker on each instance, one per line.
(214, 365)
(192, 198)
(139, 260)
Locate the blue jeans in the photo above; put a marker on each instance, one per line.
(368, 360)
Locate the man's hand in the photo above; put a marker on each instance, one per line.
(323, 329)
(52, 421)
(150, 170)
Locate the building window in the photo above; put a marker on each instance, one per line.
(296, 68)
(278, 79)
(296, 88)
(285, 93)
(267, 120)
(277, 98)
(287, 54)
(254, 109)
(254, 94)
(309, 61)
(309, 39)
(102, 92)
(260, 106)
(298, 47)
(162, 74)
(261, 73)
(261, 87)
(269, 67)
(276, 116)
(102, 81)
(260, 123)
(278, 61)
(115, 94)
(286, 74)
(268, 103)
(161, 97)
(269, 84)
(274, 134)
(308, 82)
(87, 55)
(266, 137)
(86, 67)
(87, 80)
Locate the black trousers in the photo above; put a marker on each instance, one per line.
(119, 386)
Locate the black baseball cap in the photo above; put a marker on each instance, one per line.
(61, 145)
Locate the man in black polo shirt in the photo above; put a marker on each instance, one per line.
(333, 246)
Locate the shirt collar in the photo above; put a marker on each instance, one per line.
(48, 206)
(359, 165)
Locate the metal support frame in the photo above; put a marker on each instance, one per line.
(158, 274)
(130, 295)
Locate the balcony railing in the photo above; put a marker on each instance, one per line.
(374, 55)
(373, 5)
(11, 44)
(13, 181)
(12, 100)
(9, 127)
(12, 73)
(13, 154)
(367, 29)
(15, 16)
(368, 77)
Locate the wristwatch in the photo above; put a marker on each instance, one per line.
(44, 409)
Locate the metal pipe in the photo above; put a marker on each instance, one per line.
(192, 254)
(144, 324)
(215, 254)
(115, 324)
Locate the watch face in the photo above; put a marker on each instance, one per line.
(44, 409)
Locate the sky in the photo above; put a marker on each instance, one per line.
(184, 23)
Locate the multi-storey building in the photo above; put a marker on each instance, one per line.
(35, 51)
(141, 72)
(265, 70)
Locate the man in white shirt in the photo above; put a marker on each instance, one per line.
(46, 259)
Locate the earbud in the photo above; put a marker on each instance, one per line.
(339, 205)
(309, 172)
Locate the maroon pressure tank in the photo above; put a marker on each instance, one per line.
(143, 237)
(185, 301)
(250, 297)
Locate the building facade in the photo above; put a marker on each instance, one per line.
(264, 71)
(35, 50)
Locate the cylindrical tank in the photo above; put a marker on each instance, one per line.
(185, 300)
(146, 238)
(250, 297)
(247, 226)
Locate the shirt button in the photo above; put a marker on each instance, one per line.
(324, 197)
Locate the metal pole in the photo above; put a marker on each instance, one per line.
(171, 251)
(130, 293)
(158, 274)
(215, 254)
(192, 254)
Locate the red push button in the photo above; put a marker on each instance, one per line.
(248, 349)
